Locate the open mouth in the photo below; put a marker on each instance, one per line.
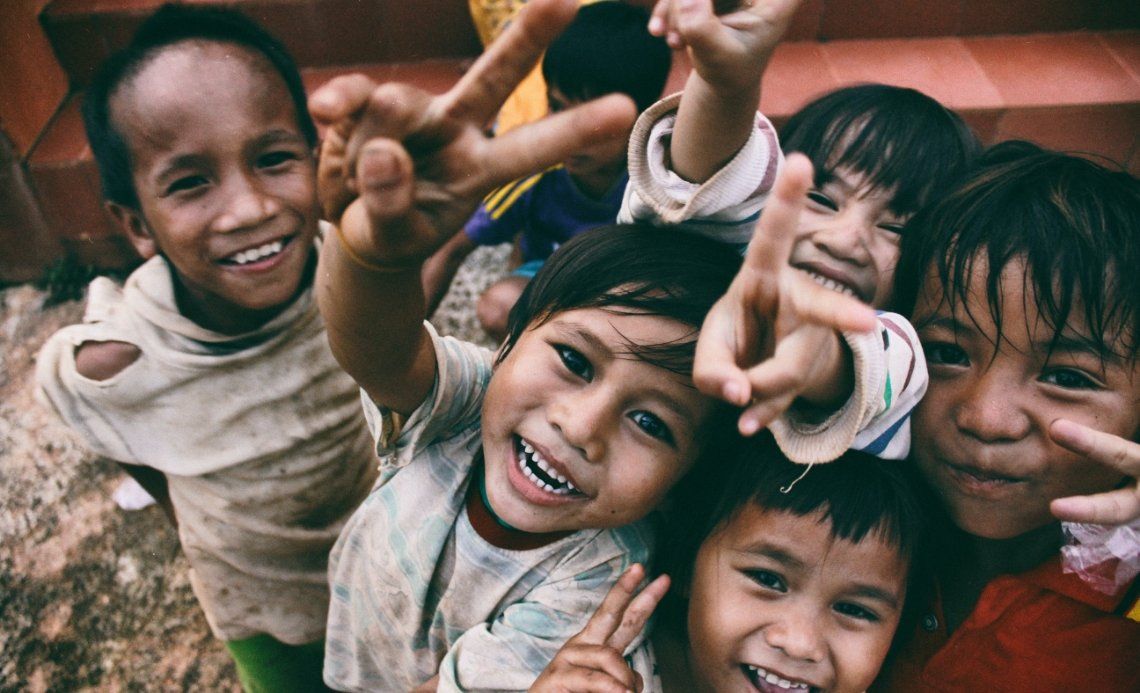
(540, 472)
(829, 283)
(769, 682)
(259, 254)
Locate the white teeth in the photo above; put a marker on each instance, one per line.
(829, 283)
(527, 457)
(775, 680)
(253, 254)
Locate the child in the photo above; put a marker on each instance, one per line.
(1023, 287)
(605, 50)
(782, 584)
(208, 374)
(708, 160)
(512, 490)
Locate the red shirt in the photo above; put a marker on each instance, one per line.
(1042, 630)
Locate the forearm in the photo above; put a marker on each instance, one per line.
(712, 125)
(375, 326)
(441, 268)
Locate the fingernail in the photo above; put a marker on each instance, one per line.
(734, 392)
(656, 24)
(748, 426)
(379, 167)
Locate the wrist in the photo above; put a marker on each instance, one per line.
(381, 266)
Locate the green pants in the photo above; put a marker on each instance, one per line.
(267, 665)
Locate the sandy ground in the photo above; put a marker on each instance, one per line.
(93, 597)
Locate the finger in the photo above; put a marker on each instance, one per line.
(608, 617)
(484, 87)
(659, 18)
(822, 306)
(384, 179)
(637, 613)
(698, 27)
(772, 240)
(390, 111)
(542, 144)
(1113, 508)
(719, 347)
(1104, 448)
(775, 385)
(586, 679)
(340, 98)
(601, 663)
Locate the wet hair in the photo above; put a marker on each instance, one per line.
(608, 49)
(169, 25)
(898, 139)
(631, 268)
(1075, 222)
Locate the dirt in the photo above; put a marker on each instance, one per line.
(93, 597)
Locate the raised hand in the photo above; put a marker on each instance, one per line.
(773, 337)
(401, 169)
(1114, 507)
(592, 660)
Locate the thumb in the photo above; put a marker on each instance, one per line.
(384, 179)
(698, 26)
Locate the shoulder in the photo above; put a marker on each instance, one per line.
(104, 360)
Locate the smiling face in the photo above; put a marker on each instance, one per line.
(981, 432)
(225, 180)
(848, 237)
(777, 604)
(578, 432)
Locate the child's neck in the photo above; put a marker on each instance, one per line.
(596, 184)
(973, 562)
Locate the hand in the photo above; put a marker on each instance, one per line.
(1114, 507)
(728, 42)
(773, 336)
(402, 170)
(592, 660)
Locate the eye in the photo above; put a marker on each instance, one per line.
(945, 354)
(1070, 379)
(574, 361)
(767, 579)
(186, 183)
(653, 425)
(894, 228)
(276, 158)
(856, 611)
(822, 200)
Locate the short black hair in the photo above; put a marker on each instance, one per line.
(1075, 222)
(608, 49)
(858, 494)
(170, 24)
(631, 268)
(899, 139)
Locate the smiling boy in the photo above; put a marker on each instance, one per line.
(208, 375)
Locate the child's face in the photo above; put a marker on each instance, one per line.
(225, 180)
(981, 432)
(777, 604)
(577, 432)
(848, 235)
(602, 158)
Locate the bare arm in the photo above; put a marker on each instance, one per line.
(402, 170)
(729, 53)
(440, 269)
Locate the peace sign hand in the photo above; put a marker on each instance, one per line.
(592, 660)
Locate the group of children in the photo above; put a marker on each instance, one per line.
(487, 520)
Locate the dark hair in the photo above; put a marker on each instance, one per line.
(171, 24)
(858, 494)
(631, 268)
(1076, 224)
(897, 138)
(608, 49)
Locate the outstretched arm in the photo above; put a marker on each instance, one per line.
(401, 170)
(729, 53)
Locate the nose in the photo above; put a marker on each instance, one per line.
(246, 204)
(584, 417)
(798, 634)
(988, 409)
(847, 237)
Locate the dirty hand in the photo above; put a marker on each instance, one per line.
(773, 337)
(401, 170)
(592, 660)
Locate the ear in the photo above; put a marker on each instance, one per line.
(134, 226)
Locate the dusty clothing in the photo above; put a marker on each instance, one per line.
(259, 435)
(417, 590)
(1042, 630)
(890, 370)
